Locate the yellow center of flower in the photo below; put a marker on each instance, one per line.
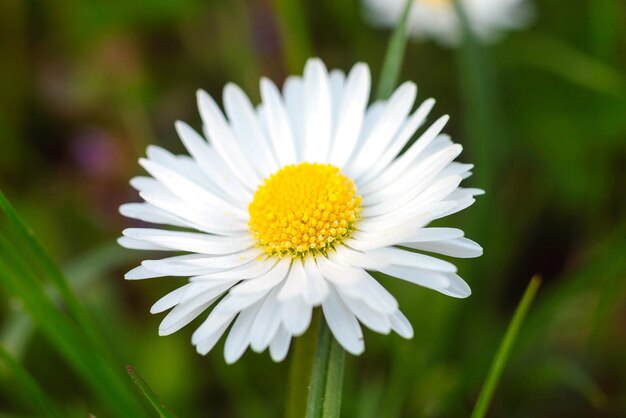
(304, 208)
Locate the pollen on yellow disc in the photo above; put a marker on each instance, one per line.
(304, 208)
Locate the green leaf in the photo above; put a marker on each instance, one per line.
(152, 397)
(504, 350)
(22, 383)
(394, 57)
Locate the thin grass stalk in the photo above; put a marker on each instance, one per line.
(504, 350)
(394, 56)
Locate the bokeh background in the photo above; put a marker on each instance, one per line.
(85, 86)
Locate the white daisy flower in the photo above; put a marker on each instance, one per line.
(437, 19)
(290, 205)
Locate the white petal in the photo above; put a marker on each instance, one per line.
(426, 278)
(293, 92)
(206, 344)
(197, 264)
(350, 114)
(266, 322)
(296, 315)
(447, 283)
(458, 288)
(337, 81)
(140, 273)
(264, 282)
(317, 288)
(400, 165)
(191, 192)
(371, 318)
(415, 186)
(247, 271)
(149, 213)
(249, 131)
(239, 336)
(458, 247)
(400, 257)
(217, 321)
(223, 262)
(296, 282)
(185, 312)
(317, 111)
(204, 221)
(221, 176)
(134, 244)
(436, 234)
(392, 118)
(169, 300)
(221, 137)
(411, 125)
(401, 325)
(280, 345)
(277, 123)
(190, 241)
(343, 323)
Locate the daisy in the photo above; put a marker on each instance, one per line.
(437, 19)
(290, 205)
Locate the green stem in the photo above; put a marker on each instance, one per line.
(334, 380)
(324, 399)
(502, 355)
(393, 57)
(300, 368)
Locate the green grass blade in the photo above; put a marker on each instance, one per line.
(22, 382)
(394, 56)
(504, 350)
(152, 397)
(51, 270)
(26, 272)
(62, 333)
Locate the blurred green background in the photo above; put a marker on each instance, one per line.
(86, 85)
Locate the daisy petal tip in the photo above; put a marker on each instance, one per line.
(314, 62)
(201, 94)
(180, 126)
(138, 273)
(278, 357)
(231, 358)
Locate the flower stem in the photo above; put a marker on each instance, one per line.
(334, 379)
(324, 399)
(300, 368)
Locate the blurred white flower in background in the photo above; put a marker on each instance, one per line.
(437, 19)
